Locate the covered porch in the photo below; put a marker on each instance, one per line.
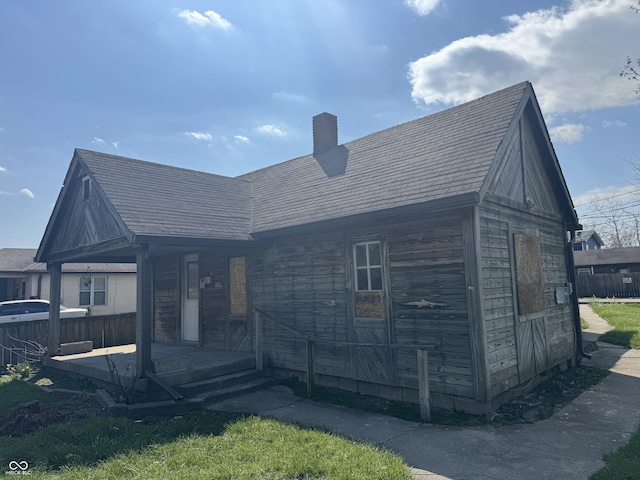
(174, 364)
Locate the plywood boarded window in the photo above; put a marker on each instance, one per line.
(529, 274)
(369, 300)
(238, 286)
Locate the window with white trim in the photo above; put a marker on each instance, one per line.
(368, 266)
(93, 290)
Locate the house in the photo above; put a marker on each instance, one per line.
(446, 233)
(103, 288)
(608, 260)
(587, 240)
(609, 272)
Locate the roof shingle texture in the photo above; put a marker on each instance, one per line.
(607, 256)
(434, 157)
(20, 260)
(165, 201)
(441, 155)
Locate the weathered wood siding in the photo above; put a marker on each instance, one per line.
(305, 282)
(218, 328)
(166, 299)
(555, 323)
(520, 346)
(426, 262)
(83, 221)
(302, 281)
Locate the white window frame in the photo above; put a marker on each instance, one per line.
(368, 266)
(92, 291)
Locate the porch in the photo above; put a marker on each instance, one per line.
(174, 364)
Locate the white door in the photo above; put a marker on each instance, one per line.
(190, 298)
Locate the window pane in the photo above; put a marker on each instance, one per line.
(85, 284)
(376, 278)
(85, 298)
(99, 283)
(374, 254)
(362, 280)
(192, 280)
(99, 298)
(361, 255)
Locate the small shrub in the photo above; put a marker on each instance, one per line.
(22, 371)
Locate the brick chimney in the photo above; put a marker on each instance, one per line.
(325, 133)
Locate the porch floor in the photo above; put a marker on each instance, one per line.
(175, 364)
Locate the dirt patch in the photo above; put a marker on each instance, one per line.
(35, 415)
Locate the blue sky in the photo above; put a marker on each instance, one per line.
(230, 86)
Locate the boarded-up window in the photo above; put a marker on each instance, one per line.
(529, 274)
(238, 286)
(369, 299)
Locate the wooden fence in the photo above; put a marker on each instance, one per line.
(103, 331)
(608, 285)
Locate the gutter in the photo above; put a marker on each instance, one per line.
(576, 308)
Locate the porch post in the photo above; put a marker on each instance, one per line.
(55, 271)
(144, 310)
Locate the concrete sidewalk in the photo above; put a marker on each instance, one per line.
(569, 445)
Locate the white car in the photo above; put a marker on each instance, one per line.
(26, 310)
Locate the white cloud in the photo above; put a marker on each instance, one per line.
(241, 138)
(199, 135)
(422, 7)
(27, 193)
(272, 130)
(620, 194)
(567, 133)
(2, 169)
(98, 140)
(573, 58)
(617, 123)
(290, 97)
(208, 18)
(2, 192)
(116, 144)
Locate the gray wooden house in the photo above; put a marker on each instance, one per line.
(448, 232)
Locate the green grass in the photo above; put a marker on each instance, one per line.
(625, 318)
(623, 464)
(206, 444)
(583, 324)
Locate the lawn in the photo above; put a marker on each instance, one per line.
(198, 445)
(625, 318)
(624, 463)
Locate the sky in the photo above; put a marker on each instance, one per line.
(228, 87)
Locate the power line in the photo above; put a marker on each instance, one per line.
(607, 198)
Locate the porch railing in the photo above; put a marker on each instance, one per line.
(311, 341)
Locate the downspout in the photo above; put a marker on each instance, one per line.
(576, 308)
(40, 286)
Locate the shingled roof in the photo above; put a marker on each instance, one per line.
(164, 201)
(437, 161)
(21, 261)
(444, 155)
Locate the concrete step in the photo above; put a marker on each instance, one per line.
(216, 383)
(202, 373)
(224, 393)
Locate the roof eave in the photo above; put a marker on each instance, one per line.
(463, 200)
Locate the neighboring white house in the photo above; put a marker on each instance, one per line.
(103, 288)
